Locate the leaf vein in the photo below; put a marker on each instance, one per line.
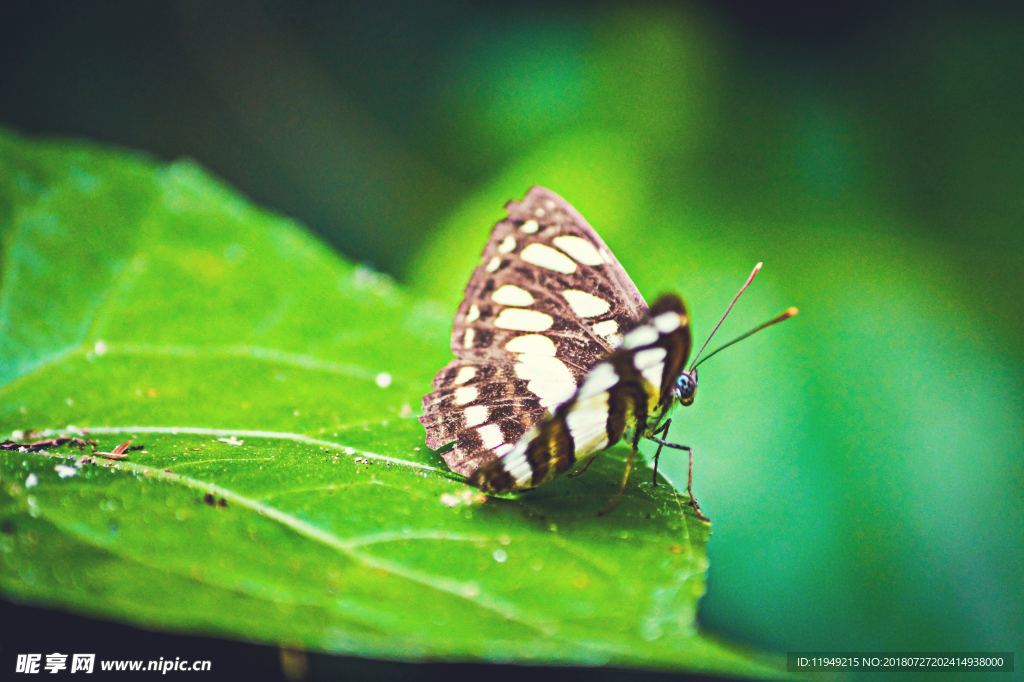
(467, 592)
(252, 433)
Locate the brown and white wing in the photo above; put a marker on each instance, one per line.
(546, 303)
(627, 391)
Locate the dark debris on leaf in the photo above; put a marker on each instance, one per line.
(38, 445)
(45, 443)
(209, 499)
(120, 452)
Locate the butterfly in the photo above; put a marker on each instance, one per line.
(558, 356)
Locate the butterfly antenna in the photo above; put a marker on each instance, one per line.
(789, 312)
(735, 298)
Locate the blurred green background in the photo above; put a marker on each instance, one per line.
(863, 463)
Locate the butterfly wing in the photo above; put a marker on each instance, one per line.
(546, 303)
(626, 392)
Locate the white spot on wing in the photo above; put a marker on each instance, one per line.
(548, 378)
(523, 320)
(648, 357)
(579, 248)
(493, 264)
(531, 343)
(510, 294)
(522, 472)
(666, 323)
(465, 394)
(653, 376)
(587, 422)
(516, 464)
(600, 379)
(585, 304)
(606, 328)
(508, 244)
(651, 364)
(546, 257)
(530, 227)
(465, 374)
(491, 436)
(467, 338)
(641, 336)
(473, 314)
(476, 414)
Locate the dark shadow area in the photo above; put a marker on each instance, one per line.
(34, 630)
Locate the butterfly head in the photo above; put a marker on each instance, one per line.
(686, 387)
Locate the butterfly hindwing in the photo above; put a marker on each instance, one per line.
(546, 303)
(473, 404)
(623, 395)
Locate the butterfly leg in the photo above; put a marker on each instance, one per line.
(689, 475)
(583, 470)
(622, 486)
(663, 429)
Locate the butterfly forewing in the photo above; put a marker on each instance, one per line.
(545, 257)
(546, 303)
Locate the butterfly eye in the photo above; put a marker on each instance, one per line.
(686, 387)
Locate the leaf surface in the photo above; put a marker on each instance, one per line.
(283, 493)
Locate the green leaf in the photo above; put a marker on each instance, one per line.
(284, 493)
